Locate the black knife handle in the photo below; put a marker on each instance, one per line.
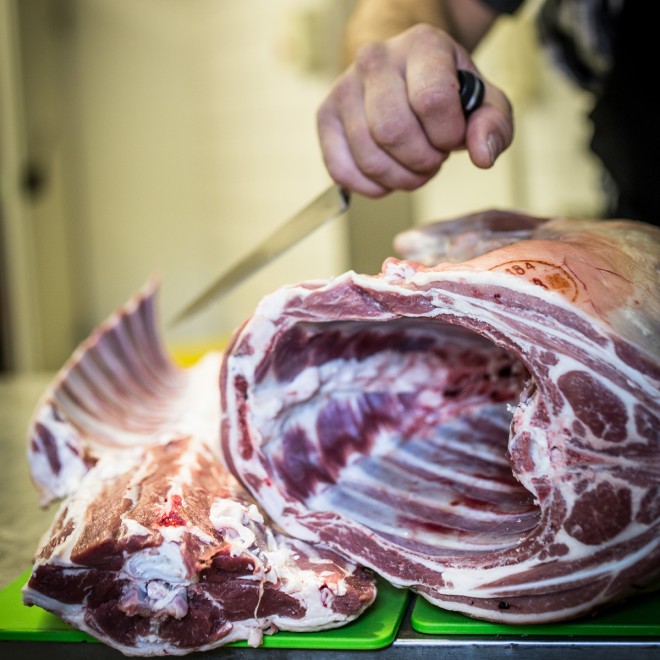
(471, 91)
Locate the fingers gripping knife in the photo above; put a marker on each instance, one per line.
(327, 206)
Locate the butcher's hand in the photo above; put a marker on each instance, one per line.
(393, 117)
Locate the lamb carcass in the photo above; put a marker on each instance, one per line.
(156, 549)
(485, 432)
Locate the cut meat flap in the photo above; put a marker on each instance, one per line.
(484, 432)
(156, 548)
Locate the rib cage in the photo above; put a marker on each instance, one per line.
(565, 306)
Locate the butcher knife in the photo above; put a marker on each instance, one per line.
(329, 205)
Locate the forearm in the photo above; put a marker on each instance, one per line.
(467, 21)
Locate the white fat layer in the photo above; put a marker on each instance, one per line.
(513, 617)
(198, 408)
(166, 598)
(233, 518)
(133, 528)
(163, 562)
(315, 590)
(68, 448)
(473, 581)
(625, 396)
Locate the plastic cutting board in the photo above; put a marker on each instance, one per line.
(376, 628)
(639, 617)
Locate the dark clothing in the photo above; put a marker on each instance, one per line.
(608, 53)
(626, 128)
(503, 6)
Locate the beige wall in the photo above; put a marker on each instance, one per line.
(196, 138)
(179, 132)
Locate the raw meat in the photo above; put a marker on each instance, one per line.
(156, 549)
(484, 432)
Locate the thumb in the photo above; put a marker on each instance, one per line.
(489, 129)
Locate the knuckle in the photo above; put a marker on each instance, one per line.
(374, 167)
(427, 163)
(370, 57)
(412, 182)
(422, 31)
(451, 140)
(432, 101)
(390, 131)
(342, 91)
(428, 37)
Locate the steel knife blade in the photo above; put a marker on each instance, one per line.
(329, 205)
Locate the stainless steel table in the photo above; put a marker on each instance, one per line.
(22, 523)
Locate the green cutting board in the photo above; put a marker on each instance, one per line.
(639, 617)
(375, 629)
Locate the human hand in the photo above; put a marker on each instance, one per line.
(392, 119)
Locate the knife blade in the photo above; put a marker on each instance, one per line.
(329, 205)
